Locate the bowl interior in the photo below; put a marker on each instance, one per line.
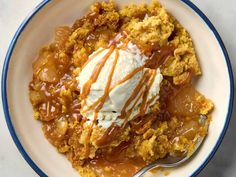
(214, 83)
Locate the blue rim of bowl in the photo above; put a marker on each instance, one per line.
(5, 72)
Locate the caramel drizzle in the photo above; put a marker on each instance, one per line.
(107, 88)
(127, 77)
(118, 38)
(160, 56)
(106, 91)
(108, 136)
(152, 99)
(124, 45)
(145, 104)
(129, 112)
(92, 57)
(94, 76)
(134, 94)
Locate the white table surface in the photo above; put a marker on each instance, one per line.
(222, 13)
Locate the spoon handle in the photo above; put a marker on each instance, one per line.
(156, 165)
(145, 169)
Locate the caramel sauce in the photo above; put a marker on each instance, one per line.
(141, 124)
(145, 104)
(95, 74)
(136, 102)
(106, 92)
(102, 99)
(108, 136)
(118, 38)
(160, 56)
(91, 58)
(188, 77)
(106, 168)
(152, 99)
(127, 77)
(116, 162)
(134, 93)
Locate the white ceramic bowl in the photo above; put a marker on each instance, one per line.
(38, 29)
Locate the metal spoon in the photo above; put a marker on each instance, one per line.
(170, 161)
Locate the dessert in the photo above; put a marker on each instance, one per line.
(114, 92)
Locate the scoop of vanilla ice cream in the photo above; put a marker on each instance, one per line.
(129, 60)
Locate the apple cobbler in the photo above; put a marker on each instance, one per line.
(114, 92)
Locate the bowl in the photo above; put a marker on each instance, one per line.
(38, 29)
